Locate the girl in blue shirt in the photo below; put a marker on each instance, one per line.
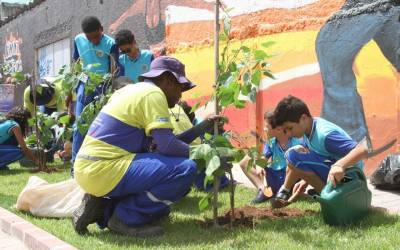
(12, 132)
(271, 177)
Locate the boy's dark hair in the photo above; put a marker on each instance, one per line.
(290, 109)
(269, 117)
(20, 115)
(90, 24)
(124, 37)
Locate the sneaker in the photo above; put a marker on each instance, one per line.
(260, 197)
(90, 210)
(281, 199)
(116, 225)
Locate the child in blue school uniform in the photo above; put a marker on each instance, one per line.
(12, 132)
(269, 179)
(92, 47)
(133, 60)
(326, 154)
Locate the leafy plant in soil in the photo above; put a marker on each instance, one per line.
(94, 82)
(240, 72)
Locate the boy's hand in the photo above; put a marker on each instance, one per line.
(336, 174)
(298, 189)
(259, 171)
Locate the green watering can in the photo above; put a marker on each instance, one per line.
(348, 202)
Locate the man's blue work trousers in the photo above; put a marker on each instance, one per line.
(150, 185)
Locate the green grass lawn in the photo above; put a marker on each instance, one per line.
(378, 231)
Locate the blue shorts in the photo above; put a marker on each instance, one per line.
(275, 178)
(309, 162)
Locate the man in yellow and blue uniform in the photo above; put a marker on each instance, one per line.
(91, 47)
(134, 61)
(115, 160)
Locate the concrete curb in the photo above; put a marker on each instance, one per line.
(33, 237)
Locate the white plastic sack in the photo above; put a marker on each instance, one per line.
(50, 200)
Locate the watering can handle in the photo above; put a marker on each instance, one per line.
(358, 171)
(355, 170)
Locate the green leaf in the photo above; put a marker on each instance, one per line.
(240, 104)
(239, 155)
(261, 162)
(250, 164)
(204, 203)
(212, 165)
(64, 119)
(246, 77)
(232, 67)
(49, 122)
(269, 74)
(201, 151)
(31, 140)
(246, 89)
(93, 65)
(31, 122)
(208, 136)
(253, 94)
(259, 55)
(77, 67)
(245, 49)
(267, 44)
(195, 107)
(256, 77)
(223, 37)
(19, 76)
(226, 152)
(221, 141)
(226, 96)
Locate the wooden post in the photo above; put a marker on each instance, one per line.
(216, 73)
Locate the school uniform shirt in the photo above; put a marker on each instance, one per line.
(5, 130)
(329, 140)
(277, 153)
(119, 132)
(133, 68)
(56, 102)
(95, 54)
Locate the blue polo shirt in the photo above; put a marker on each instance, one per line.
(273, 150)
(5, 130)
(135, 67)
(329, 140)
(96, 54)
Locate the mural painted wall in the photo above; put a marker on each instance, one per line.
(340, 56)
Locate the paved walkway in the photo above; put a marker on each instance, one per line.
(17, 233)
(384, 199)
(9, 242)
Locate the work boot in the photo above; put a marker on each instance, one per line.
(90, 210)
(281, 199)
(116, 225)
(260, 197)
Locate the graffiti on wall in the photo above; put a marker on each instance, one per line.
(12, 53)
(45, 63)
